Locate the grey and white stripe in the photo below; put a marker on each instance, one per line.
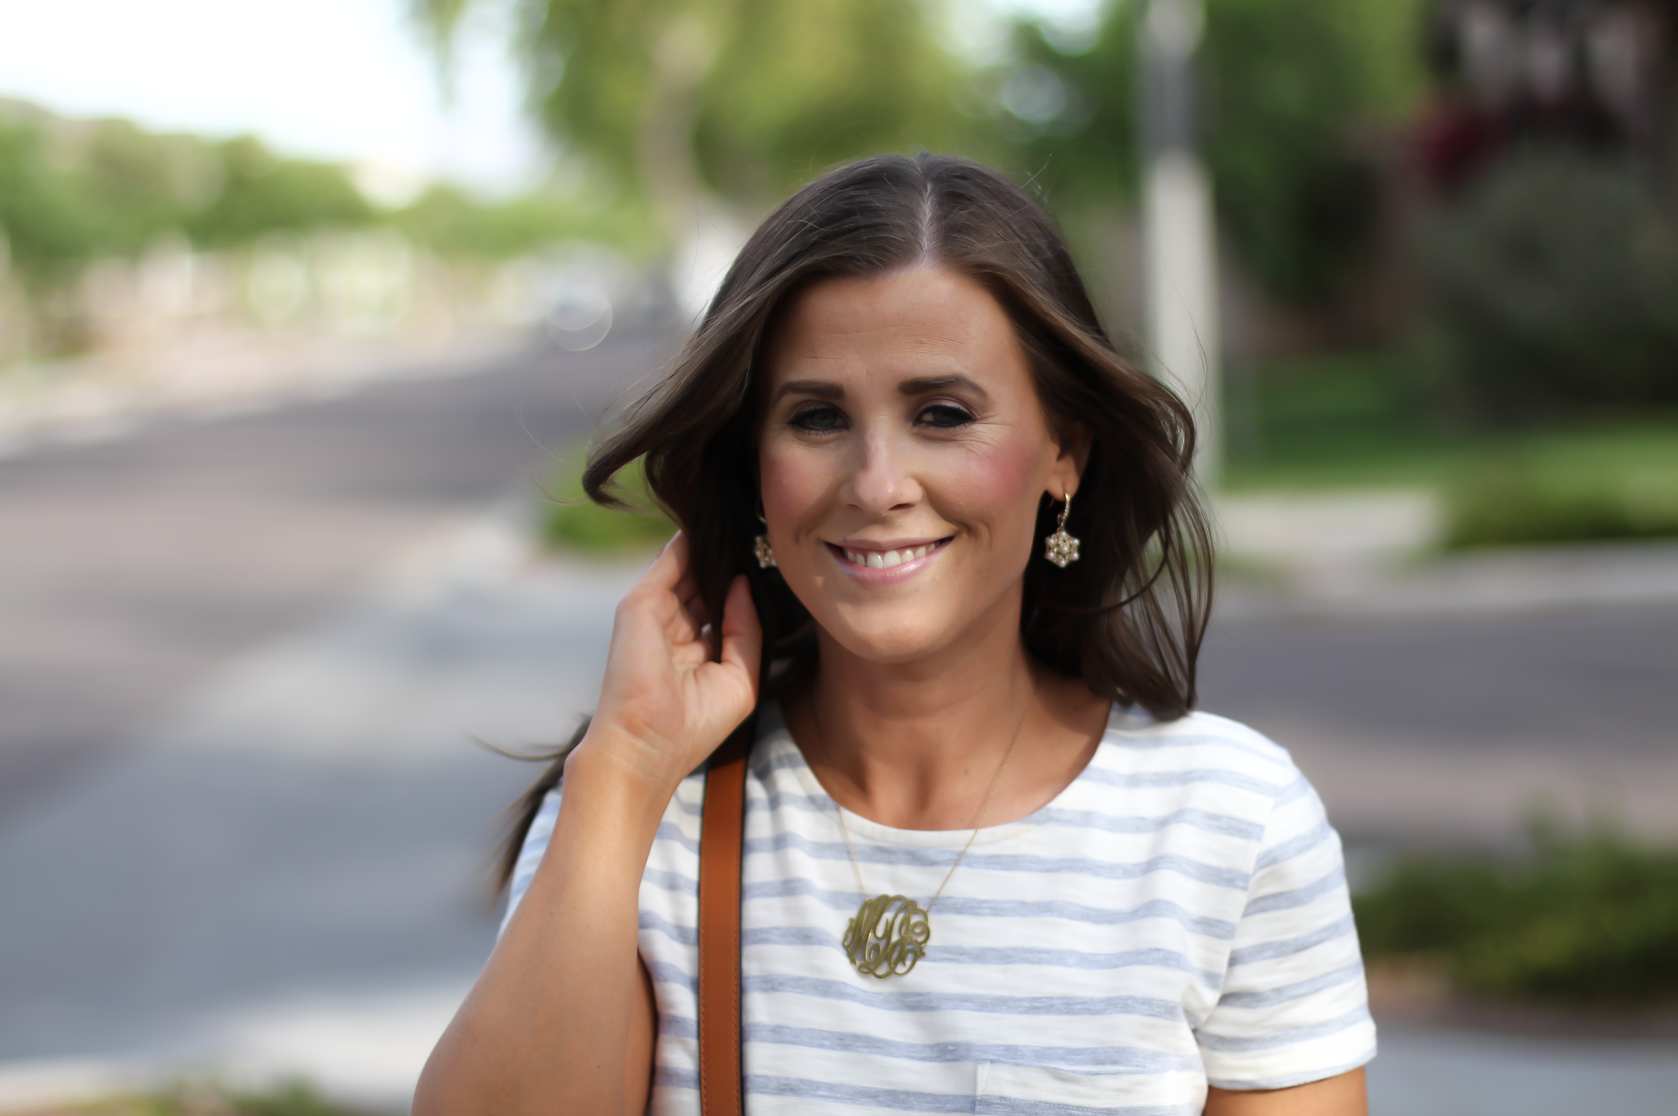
(1177, 916)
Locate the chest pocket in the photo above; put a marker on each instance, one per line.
(1008, 1090)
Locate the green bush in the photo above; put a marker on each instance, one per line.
(1581, 920)
(295, 1098)
(574, 522)
(1552, 286)
(1531, 497)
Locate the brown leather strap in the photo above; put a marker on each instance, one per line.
(723, 824)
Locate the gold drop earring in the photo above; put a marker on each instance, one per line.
(765, 552)
(1060, 547)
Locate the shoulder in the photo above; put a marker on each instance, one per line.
(1200, 744)
(1205, 767)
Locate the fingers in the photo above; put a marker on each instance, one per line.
(670, 565)
(676, 560)
(742, 633)
(687, 593)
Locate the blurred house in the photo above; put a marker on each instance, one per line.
(1592, 74)
(1548, 156)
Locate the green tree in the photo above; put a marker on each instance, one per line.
(451, 222)
(134, 187)
(47, 232)
(74, 191)
(1294, 93)
(678, 99)
(1070, 111)
(261, 193)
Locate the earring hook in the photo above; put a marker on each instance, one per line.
(1061, 548)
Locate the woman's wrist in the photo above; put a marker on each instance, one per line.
(616, 766)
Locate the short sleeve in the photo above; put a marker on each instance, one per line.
(530, 853)
(1294, 1007)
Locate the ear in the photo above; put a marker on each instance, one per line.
(1072, 453)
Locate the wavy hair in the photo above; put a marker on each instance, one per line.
(1128, 618)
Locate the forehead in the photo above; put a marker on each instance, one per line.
(920, 322)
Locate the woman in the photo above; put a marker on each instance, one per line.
(971, 713)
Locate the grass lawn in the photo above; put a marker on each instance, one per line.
(574, 522)
(1344, 420)
(197, 1098)
(1357, 420)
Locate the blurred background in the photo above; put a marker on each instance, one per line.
(308, 311)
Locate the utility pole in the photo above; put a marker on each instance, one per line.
(1179, 234)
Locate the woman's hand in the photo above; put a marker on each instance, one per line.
(541, 1033)
(675, 685)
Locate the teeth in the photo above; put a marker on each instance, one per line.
(885, 560)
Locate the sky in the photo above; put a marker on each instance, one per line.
(345, 80)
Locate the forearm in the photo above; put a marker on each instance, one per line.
(547, 1024)
(1334, 1096)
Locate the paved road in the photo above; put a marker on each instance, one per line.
(1451, 728)
(129, 568)
(303, 842)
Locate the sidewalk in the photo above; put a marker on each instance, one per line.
(1370, 553)
(1424, 1072)
(288, 875)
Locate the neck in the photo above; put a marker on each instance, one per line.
(915, 745)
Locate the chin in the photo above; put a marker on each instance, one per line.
(891, 640)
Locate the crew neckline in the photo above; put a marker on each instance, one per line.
(777, 738)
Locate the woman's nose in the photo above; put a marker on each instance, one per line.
(880, 482)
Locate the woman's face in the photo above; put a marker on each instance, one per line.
(904, 452)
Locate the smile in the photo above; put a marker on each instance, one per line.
(886, 559)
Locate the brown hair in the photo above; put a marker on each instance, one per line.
(1128, 618)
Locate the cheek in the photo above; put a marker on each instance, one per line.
(998, 482)
(794, 485)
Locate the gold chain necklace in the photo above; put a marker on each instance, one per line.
(890, 932)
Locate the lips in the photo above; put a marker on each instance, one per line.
(886, 559)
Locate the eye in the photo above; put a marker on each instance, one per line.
(819, 418)
(944, 416)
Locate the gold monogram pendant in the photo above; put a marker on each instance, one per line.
(887, 936)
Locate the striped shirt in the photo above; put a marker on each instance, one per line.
(1177, 916)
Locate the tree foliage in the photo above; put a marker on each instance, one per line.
(678, 99)
(261, 193)
(75, 191)
(1296, 191)
(802, 86)
(455, 224)
(1295, 92)
(132, 186)
(44, 231)
(747, 98)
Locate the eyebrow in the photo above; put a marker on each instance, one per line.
(823, 389)
(926, 384)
